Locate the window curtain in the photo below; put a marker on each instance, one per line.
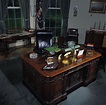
(3, 12)
(25, 9)
(65, 5)
(44, 4)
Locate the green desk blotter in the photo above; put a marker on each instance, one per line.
(53, 49)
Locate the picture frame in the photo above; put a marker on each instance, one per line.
(97, 6)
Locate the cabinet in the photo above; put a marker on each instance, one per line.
(96, 37)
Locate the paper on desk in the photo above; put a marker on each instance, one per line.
(53, 49)
(80, 52)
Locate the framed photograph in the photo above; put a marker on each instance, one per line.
(97, 6)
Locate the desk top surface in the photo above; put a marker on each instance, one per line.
(39, 62)
(5, 36)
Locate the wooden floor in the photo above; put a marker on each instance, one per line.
(16, 52)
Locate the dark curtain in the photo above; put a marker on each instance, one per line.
(65, 5)
(44, 4)
(25, 8)
(3, 12)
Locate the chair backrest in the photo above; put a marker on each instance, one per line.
(72, 31)
(72, 35)
(61, 41)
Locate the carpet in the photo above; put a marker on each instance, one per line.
(13, 91)
(12, 68)
(8, 93)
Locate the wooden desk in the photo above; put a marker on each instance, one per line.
(6, 39)
(53, 86)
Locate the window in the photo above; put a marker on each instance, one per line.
(53, 19)
(14, 19)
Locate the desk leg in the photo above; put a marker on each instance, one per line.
(6, 50)
(29, 41)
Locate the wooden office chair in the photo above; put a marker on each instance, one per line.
(72, 35)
